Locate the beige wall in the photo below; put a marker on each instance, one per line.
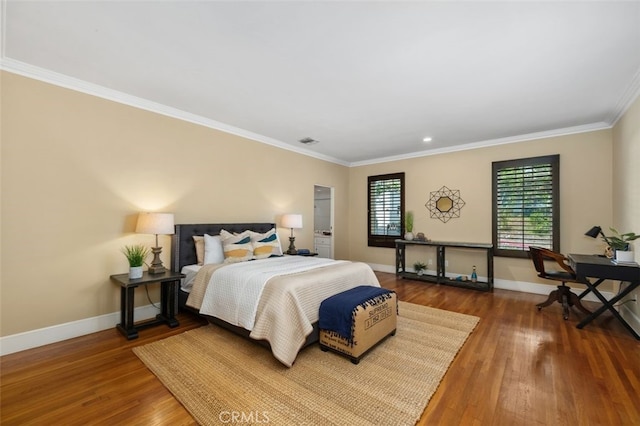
(76, 170)
(626, 182)
(585, 193)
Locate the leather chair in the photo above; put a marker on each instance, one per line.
(563, 294)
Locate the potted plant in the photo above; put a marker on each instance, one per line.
(408, 226)
(619, 244)
(135, 256)
(419, 267)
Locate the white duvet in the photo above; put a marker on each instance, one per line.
(234, 291)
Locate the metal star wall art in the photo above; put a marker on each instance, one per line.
(445, 204)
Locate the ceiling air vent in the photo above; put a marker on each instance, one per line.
(308, 141)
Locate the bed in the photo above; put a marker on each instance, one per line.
(286, 312)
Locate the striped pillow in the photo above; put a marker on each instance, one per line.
(237, 249)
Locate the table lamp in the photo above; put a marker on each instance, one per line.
(293, 221)
(156, 223)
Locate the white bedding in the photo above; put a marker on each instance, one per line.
(190, 272)
(289, 304)
(234, 291)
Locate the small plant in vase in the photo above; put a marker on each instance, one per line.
(136, 256)
(620, 243)
(419, 267)
(408, 226)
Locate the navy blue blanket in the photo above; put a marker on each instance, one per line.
(337, 312)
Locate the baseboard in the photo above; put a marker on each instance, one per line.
(382, 268)
(630, 317)
(629, 311)
(57, 333)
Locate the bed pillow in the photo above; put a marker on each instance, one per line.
(237, 249)
(199, 242)
(213, 252)
(224, 234)
(266, 245)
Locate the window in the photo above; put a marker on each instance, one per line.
(386, 209)
(526, 205)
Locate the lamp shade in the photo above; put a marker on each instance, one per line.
(293, 221)
(593, 232)
(155, 223)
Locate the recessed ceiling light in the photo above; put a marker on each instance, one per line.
(427, 139)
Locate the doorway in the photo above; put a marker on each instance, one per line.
(323, 221)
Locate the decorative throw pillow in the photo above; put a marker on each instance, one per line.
(213, 249)
(199, 242)
(224, 234)
(237, 249)
(266, 245)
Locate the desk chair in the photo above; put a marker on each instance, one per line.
(563, 294)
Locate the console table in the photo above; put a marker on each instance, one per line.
(440, 277)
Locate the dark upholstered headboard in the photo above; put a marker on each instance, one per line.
(183, 248)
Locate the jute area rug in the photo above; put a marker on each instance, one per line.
(221, 378)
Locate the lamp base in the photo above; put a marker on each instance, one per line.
(292, 248)
(157, 270)
(156, 266)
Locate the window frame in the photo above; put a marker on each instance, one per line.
(382, 240)
(554, 162)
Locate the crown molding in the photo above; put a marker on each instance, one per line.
(626, 100)
(61, 80)
(490, 142)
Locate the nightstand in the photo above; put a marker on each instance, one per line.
(169, 282)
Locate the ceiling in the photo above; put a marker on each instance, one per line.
(368, 80)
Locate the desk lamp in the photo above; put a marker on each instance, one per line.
(156, 223)
(594, 232)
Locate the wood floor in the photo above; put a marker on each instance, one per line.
(519, 367)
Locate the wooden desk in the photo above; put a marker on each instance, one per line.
(601, 268)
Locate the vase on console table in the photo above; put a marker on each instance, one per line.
(408, 236)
